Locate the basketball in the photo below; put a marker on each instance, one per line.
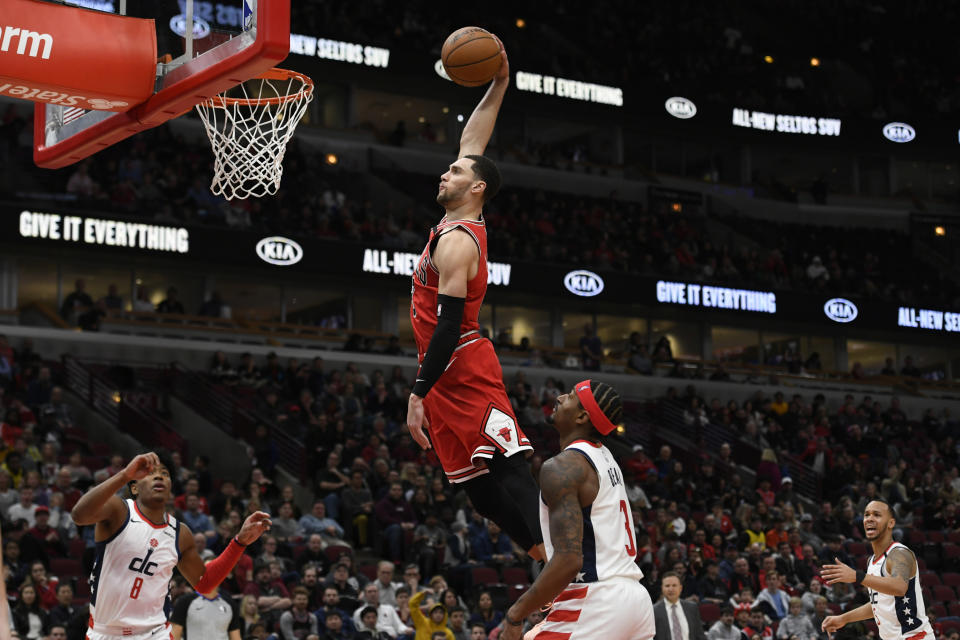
(471, 56)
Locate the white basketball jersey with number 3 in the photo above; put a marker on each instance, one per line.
(131, 574)
(898, 616)
(609, 547)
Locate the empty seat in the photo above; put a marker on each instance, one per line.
(333, 551)
(77, 547)
(938, 610)
(368, 570)
(948, 578)
(953, 608)
(65, 567)
(515, 591)
(943, 593)
(857, 549)
(916, 538)
(709, 612)
(930, 578)
(83, 588)
(515, 575)
(934, 536)
(484, 576)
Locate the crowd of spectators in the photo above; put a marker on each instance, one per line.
(165, 176)
(721, 55)
(384, 547)
(597, 233)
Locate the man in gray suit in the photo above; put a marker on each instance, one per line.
(676, 619)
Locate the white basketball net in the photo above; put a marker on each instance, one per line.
(249, 134)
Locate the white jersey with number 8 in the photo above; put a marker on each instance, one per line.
(131, 575)
(609, 547)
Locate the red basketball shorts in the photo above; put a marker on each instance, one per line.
(469, 413)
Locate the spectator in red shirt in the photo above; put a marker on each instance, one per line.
(46, 586)
(707, 552)
(639, 463)
(191, 487)
(46, 536)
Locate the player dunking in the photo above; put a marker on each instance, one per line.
(459, 394)
(896, 601)
(591, 575)
(138, 545)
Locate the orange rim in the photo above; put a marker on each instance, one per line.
(223, 102)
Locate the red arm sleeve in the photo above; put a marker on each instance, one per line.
(217, 569)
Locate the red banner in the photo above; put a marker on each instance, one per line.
(76, 57)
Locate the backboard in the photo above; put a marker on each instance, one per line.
(230, 42)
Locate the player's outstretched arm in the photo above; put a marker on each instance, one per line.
(206, 578)
(101, 504)
(900, 564)
(476, 134)
(560, 480)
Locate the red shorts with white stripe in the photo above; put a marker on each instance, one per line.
(469, 413)
(615, 609)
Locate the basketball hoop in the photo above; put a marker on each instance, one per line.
(249, 134)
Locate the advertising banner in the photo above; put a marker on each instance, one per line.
(31, 232)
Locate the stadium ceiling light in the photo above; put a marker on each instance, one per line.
(940, 230)
(768, 59)
(332, 158)
(814, 62)
(521, 23)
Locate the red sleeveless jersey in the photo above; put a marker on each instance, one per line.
(426, 280)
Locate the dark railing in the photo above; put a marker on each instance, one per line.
(132, 418)
(222, 408)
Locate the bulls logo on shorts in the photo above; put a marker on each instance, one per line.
(500, 429)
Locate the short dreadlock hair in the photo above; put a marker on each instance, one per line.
(608, 400)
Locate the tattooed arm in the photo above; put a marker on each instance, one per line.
(900, 566)
(561, 479)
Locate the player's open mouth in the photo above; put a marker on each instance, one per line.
(870, 529)
(159, 487)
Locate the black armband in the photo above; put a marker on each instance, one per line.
(442, 344)
(860, 576)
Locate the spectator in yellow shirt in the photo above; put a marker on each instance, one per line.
(426, 626)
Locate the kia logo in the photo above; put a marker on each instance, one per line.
(583, 283)
(840, 310)
(279, 251)
(899, 132)
(680, 108)
(178, 24)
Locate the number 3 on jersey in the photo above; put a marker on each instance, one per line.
(630, 546)
(135, 590)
